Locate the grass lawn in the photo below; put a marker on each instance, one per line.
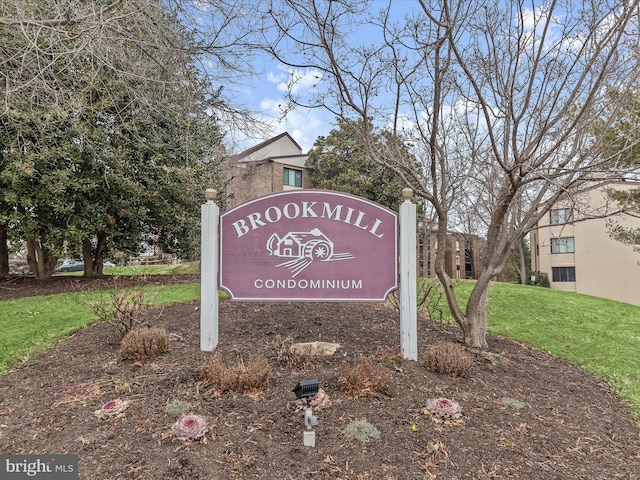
(30, 325)
(602, 336)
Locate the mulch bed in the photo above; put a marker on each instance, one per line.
(526, 414)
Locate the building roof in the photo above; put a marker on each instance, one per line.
(263, 145)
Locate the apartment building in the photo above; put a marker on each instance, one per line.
(572, 245)
(274, 165)
(462, 255)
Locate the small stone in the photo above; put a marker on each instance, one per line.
(314, 349)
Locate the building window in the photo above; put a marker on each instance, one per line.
(562, 245)
(292, 177)
(563, 274)
(560, 216)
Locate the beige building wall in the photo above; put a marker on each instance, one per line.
(603, 266)
(249, 180)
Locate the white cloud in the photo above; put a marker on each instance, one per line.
(271, 107)
(276, 78)
(304, 125)
(294, 80)
(268, 100)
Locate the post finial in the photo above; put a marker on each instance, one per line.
(210, 194)
(407, 194)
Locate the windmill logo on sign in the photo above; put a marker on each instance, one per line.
(303, 248)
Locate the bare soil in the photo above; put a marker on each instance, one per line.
(526, 414)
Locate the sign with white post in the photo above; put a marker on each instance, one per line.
(308, 245)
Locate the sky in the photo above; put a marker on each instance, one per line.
(265, 96)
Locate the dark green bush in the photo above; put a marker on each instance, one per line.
(542, 279)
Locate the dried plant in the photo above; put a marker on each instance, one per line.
(238, 461)
(429, 299)
(190, 427)
(123, 309)
(80, 393)
(363, 379)
(390, 355)
(144, 344)
(244, 378)
(287, 356)
(435, 456)
(448, 358)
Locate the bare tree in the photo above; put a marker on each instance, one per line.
(497, 99)
(45, 35)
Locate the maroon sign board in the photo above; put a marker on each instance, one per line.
(309, 245)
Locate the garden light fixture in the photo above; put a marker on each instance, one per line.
(308, 389)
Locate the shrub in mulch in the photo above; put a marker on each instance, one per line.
(244, 377)
(443, 410)
(362, 430)
(190, 427)
(144, 344)
(449, 359)
(125, 309)
(363, 378)
(113, 408)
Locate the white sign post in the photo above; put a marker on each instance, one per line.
(408, 307)
(210, 214)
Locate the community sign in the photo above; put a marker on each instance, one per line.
(309, 245)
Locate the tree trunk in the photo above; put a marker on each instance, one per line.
(4, 252)
(474, 327)
(40, 260)
(94, 262)
(472, 322)
(522, 266)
